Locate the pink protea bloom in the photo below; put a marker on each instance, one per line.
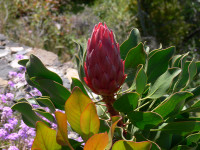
(104, 68)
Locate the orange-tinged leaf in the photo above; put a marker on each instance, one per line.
(45, 138)
(97, 142)
(62, 134)
(89, 121)
(115, 120)
(74, 106)
(129, 145)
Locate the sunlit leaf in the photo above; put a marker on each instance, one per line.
(45, 138)
(172, 105)
(89, 121)
(74, 107)
(129, 145)
(97, 142)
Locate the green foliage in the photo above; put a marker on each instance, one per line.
(156, 111)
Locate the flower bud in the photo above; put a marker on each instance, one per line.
(104, 68)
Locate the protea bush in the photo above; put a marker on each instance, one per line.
(144, 99)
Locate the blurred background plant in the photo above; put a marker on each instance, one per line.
(54, 24)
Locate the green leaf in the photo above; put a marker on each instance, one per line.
(195, 92)
(158, 63)
(181, 127)
(45, 114)
(45, 138)
(132, 41)
(174, 60)
(58, 93)
(198, 67)
(23, 62)
(35, 68)
(76, 82)
(172, 105)
(194, 108)
(47, 102)
(139, 56)
(187, 75)
(27, 113)
(74, 107)
(89, 121)
(163, 83)
(145, 120)
(129, 145)
(127, 102)
(141, 80)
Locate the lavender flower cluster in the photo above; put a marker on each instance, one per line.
(14, 133)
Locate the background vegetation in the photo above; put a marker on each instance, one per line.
(54, 25)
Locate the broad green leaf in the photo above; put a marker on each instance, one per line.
(132, 41)
(187, 75)
(127, 102)
(29, 116)
(145, 120)
(89, 121)
(141, 80)
(182, 127)
(58, 93)
(74, 107)
(163, 83)
(195, 92)
(28, 80)
(62, 129)
(194, 108)
(47, 102)
(97, 142)
(23, 62)
(45, 138)
(183, 147)
(35, 68)
(76, 82)
(45, 114)
(158, 63)
(172, 105)
(175, 60)
(130, 145)
(198, 67)
(193, 138)
(139, 56)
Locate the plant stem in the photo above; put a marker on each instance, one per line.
(109, 100)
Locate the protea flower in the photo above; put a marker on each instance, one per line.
(104, 68)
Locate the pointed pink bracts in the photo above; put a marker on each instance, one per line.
(104, 68)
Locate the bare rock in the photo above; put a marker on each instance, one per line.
(47, 58)
(3, 83)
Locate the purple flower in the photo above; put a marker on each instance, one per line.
(3, 133)
(13, 121)
(13, 148)
(19, 57)
(22, 69)
(31, 132)
(8, 126)
(12, 74)
(10, 96)
(30, 143)
(3, 98)
(12, 136)
(11, 83)
(7, 111)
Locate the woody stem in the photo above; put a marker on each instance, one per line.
(109, 100)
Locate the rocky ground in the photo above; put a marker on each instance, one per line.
(9, 51)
